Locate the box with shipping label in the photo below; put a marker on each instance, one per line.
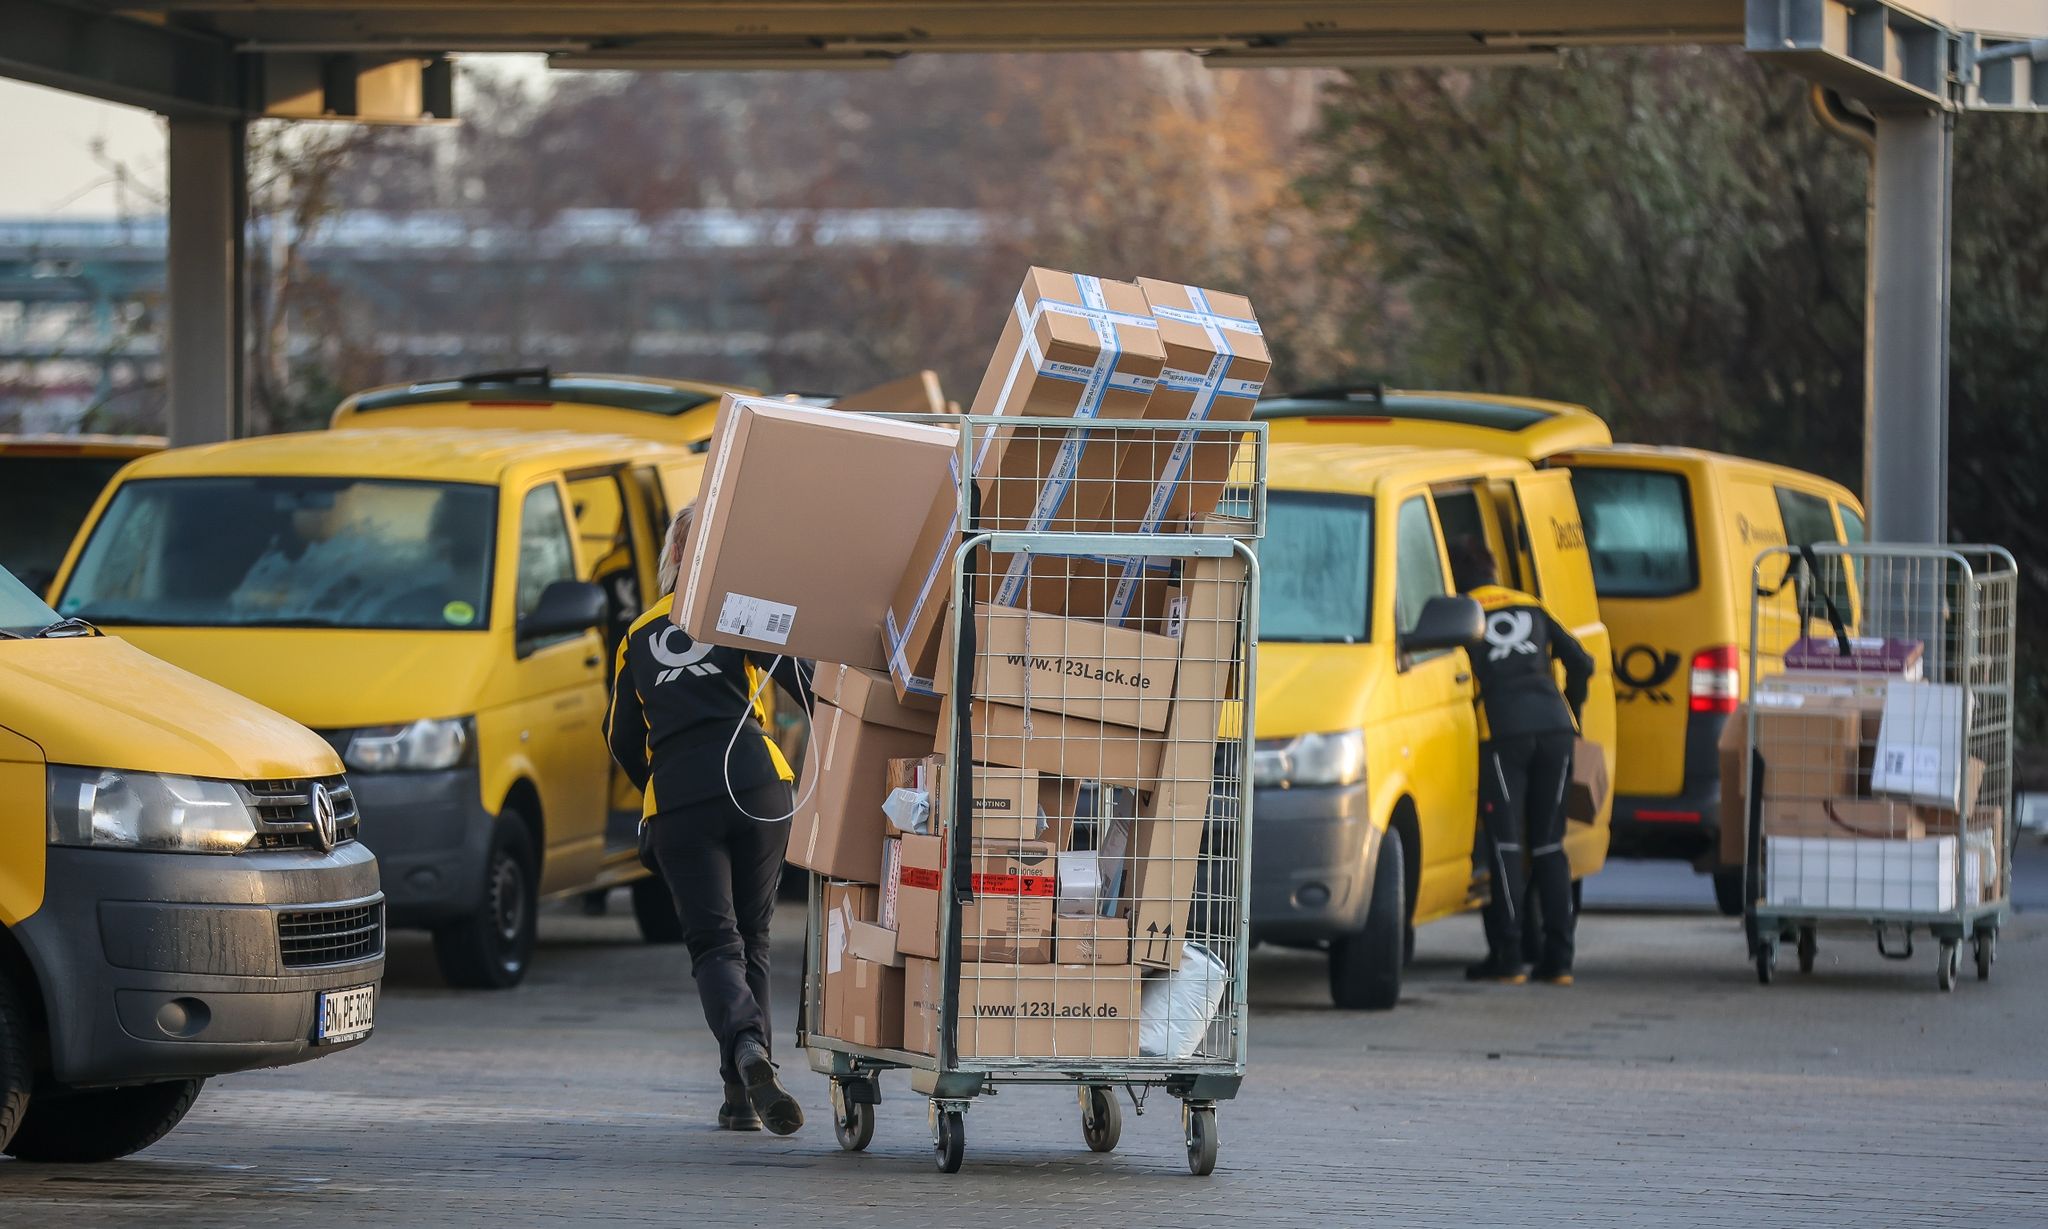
(839, 826)
(873, 942)
(1010, 919)
(1072, 347)
(1027, 1011)
(861, 1000)
(1091, 939)
(1073, 666)
(805, 518)
(1920, 752)
(1166, 848)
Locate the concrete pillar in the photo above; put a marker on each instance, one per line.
(203, 274)
(1906, 333)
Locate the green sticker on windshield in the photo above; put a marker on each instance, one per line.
(461, 614)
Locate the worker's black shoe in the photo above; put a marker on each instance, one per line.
(737, 1114)
(1506, 972)
(1551, 974)
(770, 1099)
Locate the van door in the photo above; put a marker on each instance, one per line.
(1435, 734)
(559, 715)
(1552, 541)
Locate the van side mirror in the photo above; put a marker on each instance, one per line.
(1445, 623)
(565, 606)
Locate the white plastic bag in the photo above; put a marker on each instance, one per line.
(1175, 1010)
(909, 809)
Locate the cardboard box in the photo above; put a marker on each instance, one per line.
(916, 393)
(1073, 666)
(1167, 837)
(805, 518)
(892, 883)
(1822, 689)
(1006, 804)
(861, 1000)
(1091, 940)
(1869, 818)
(922, 775)
(1056, 745)
(1010, 919)
(1810, 753)
(866, 694)
(1586, 792)
(1733, 752)
(1920, 752)
(1072, 347)
(1867, 655)
(839, 827)
(873, 942)
(1092, 586)
(1034, 1011)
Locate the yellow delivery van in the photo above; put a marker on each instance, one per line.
(440, 604)
(1674, 534)
(182, 894)
(1366, 763)
(529, 398)
(47, 485)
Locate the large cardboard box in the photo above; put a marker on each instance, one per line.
(839, 827)
(1073, 346)
(1870, 818)
(917, 393)
(1027, 1011)
(1056, 745)
(1810, 753)
(862, 1001)
(1016, 886)
(1007, 803)
(805, 518)
(1172, 820)
(1073, 666)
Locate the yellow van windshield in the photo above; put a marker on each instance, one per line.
(1315, 568)
(289, 552)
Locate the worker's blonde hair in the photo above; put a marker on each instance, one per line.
(672, 550)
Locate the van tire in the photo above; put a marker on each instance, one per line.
(101, 1124)
(1365, 968)
(655, 910)
(17, 1073)
(493, 947)
(1728, 891)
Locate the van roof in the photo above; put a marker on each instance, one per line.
(80, 445)
(1359, 469)
(655, 406)
(1515, 426)
(1696, 461)
(444, 454)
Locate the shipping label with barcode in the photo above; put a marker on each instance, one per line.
(756, 618)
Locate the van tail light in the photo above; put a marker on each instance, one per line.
(1716, 679)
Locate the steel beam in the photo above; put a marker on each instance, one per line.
(1906, 332)
(159, 67)
(203, 279)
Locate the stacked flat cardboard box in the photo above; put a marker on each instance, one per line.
(1866, 780)
(1098, 687)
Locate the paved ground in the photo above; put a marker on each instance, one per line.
(1666, 1088)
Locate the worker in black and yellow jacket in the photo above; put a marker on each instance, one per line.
(1525, 763)
(686, 726)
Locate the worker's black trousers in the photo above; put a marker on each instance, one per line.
(722, 866)
(1521, 811)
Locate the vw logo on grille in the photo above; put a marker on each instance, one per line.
(326, 824)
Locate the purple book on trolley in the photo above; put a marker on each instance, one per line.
(1867, 655)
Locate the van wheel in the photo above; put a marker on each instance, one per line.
(101, 1124)
(491, 949)
(1365, 968)
(1728, 891)
(655, 910)
(15, 1072)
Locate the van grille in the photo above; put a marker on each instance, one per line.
(307, 937)
(284, 812)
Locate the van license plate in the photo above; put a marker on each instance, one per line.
(345, 1014)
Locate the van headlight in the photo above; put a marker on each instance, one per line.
(110, 809)
(1311, 759)
(427, 745)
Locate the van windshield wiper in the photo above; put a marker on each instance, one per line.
(65, 628)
